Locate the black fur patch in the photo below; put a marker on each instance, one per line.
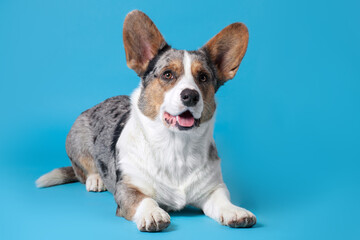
(103, 168)
(118, 129)
(118, 175)
(213, 154)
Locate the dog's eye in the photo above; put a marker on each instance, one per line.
(203, 77)
(167, 75)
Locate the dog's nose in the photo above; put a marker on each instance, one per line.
(189, 97)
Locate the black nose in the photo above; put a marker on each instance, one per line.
(189, 97)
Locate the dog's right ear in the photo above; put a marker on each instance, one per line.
(142, 41)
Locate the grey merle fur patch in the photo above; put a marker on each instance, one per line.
(97, 130)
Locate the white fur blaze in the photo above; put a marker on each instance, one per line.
(149, 217)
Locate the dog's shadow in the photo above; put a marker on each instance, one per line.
(187, 212)
(190, 211)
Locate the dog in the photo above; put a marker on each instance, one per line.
(155, 151)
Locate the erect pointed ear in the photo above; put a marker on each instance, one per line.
(227, 49)
(142, 41)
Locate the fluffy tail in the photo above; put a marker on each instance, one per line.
(56, 177)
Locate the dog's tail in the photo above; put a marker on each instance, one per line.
(56, 177)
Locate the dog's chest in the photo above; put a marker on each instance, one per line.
(180, 178)
(173, 171)
(174, 167)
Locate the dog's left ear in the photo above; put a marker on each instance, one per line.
(227, 49)
(142, 41)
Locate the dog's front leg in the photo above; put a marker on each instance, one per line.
(219, 207)
(141, 209)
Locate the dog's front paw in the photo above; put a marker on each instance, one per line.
(236, 217)
(153, 220)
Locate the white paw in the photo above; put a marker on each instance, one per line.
(153, 220)
(94, 183)
(236, 217)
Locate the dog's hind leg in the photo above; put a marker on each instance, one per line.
(85, 170)
(79, 147)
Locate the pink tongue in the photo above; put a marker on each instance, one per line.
(186, 119)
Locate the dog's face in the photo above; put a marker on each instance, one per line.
(178, 87)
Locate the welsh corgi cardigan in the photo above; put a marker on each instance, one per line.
(155, 151)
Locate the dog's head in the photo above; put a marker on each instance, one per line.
(178, 87)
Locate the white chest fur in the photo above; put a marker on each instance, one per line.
(173, 168)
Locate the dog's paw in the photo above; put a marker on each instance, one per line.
(236, 217)
(94, 183)
(153, 220)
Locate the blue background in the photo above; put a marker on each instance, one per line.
(287, 129)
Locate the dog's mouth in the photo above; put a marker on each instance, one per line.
(183, 121)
